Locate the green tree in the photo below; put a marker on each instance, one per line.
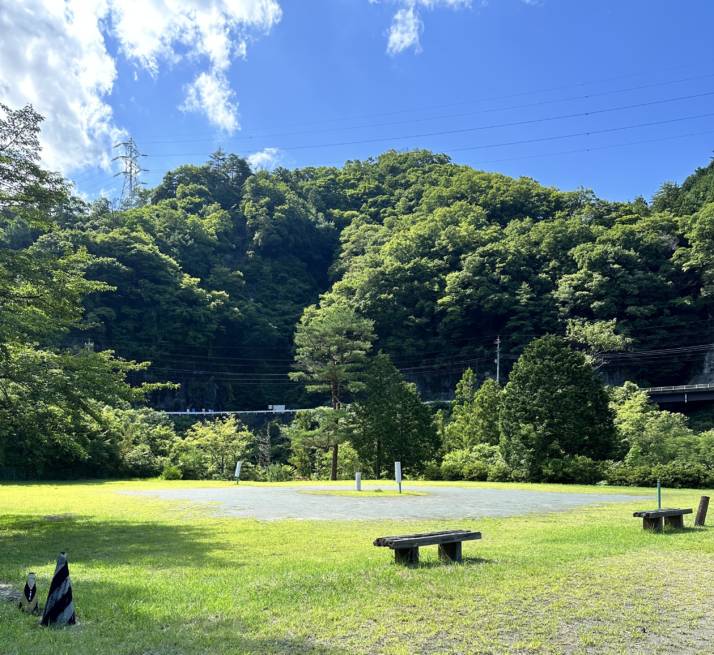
(475, 413)
(315, 432)
(51, 395)
(211, 449)
(649, 435)
(596, 338)
(392, 423)
(331, 346)
(554, 406)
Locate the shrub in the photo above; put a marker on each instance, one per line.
(499, 472)
(432, 471)
(140, 461)
(212, 448)
(452, 467)
(677, 474)
(578, 468)
(475, 470)
(143, 438)
(252, 473)
(473, 463)
(171, 472)
(279, 473)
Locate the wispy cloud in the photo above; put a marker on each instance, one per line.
(407, 24)
(266, 159)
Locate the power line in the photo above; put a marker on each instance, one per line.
(528, 105)
(492, 126)
(585, 133)
(595, 148)
(518, 94)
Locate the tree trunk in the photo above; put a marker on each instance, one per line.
(335, 407)
(333, 473)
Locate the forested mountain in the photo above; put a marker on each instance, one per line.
(211, 270)
(229, 288)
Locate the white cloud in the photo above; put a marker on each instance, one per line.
(211, 93)
(405, 30)
(53, 54)
(153, 31)
(267, 159)
(407, 25)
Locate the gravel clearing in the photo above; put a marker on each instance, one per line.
(272, 503)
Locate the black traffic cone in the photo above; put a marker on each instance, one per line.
(28, 599)
(59, 609)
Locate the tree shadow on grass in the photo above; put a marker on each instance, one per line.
(25, 540)
(125, 619)
(139, 613)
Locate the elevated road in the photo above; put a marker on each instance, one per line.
(682, 394)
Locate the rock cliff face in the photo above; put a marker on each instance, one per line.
(706, 374)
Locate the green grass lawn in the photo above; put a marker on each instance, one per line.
(156, 578)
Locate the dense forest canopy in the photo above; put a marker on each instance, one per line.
(209, 273)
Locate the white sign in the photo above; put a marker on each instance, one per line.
(398, 475)
(358, 481)
(236, 475)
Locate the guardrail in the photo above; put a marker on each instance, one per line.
(681, 387)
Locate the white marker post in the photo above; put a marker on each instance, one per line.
(358, 481)
(236, 475)
(398, 475)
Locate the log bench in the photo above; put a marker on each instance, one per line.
(656, 519)
(406, 547)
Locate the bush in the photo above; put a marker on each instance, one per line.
(141, 462)
(454, 463)
(211, 449)
(143, 438)
(676, 474)
(578, 468)
(171, 472)
(473, 463)
(476, 470)
(279, 473)
(432, 471)
(499, 472)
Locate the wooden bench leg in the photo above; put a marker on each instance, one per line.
(676, 522)
(450, 552)
(655, 525)
(406, 556)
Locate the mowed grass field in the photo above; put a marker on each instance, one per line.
(159, 578)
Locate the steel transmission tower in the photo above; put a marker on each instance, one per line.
(130, 159)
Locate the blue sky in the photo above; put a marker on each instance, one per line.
(509, 86)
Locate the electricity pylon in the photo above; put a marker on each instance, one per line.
(131, 171)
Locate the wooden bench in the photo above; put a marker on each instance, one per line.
(656, 519)
(406, 547)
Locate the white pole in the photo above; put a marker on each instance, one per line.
(236, 475)
(358, 481)
(398, 475)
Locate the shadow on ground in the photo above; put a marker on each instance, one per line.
(35, 541)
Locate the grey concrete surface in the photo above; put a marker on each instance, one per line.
(271, 503)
